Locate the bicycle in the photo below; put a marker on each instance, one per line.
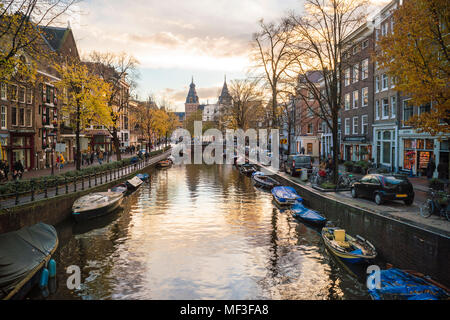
(438, 203)
(345, 180)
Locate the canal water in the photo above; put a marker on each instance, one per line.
(200, 232)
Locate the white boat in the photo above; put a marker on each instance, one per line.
(96, 204)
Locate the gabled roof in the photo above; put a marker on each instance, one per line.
(54, 36)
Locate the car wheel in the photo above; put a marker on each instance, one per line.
(354, 195)
(378, 199)
(409, 202)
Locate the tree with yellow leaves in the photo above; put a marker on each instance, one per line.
(85, 96)
(417, 55)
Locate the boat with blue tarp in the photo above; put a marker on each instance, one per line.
(26, 260)
(143, 176)
(284, 195)
(396, 284)
(300, 212)
(348, 248)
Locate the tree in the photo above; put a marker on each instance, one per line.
(272, 53)
(85, 96)
(21, 23)
(246, 107)
(319, 45)
(120, 71)
(416, 54)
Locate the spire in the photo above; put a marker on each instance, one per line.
(192, 94)
(225, 98)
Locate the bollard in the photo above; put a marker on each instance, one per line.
(67, 186)
(16, 186)
(56, 187)
(32, 190)
(106, 177)
(110, 175)
(45, 188)
(95, 178)
(75, 184)
(101, 177)
(82, 183)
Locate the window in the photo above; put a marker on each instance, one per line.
(347, 101)
(364, 44)
(347, 77)
(424, 109)
(355, 49)
(21, 116)
(365, 96)
(49, 94)
(392, 82)
(377, 83)
(355, 99)
(309, 148)
(365, 69)
(3, 117)
(28, 118)
(384, 81)
(22, 94)
(377, 110)
(14, 116)
(29, 95)
(384, 28)
(347, 126)
(14, 93)
(4, 91)
(392, 25)
(310, 128)
(355, 73)
(364, 124)
(355, 125)
(408, 111)
(393, 107)
(385, 105)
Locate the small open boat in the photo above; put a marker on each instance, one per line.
(396, 284)
(247, 169)
(300, 212)
(121, 188)
(134, 183)
(285, 196)
(264, 181)
(349, 249)
(96, 204)
(164, 164)
(143, 176)
(24, 254)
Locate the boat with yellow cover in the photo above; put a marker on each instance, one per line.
(164, 164)
(348, 248)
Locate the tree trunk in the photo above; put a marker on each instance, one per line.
(335, 148)
(77, 139)
(116, 144)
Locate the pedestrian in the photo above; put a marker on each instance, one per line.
(431, 167)
(303, 150)
(100, 157)
(61, 161)
(92, 157)
(18, 170)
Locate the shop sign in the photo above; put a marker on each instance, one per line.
(355, 139)
(60, 147)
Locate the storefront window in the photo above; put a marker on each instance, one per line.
(429, 144)
(420, 144)
(408, 143)
(18, 142)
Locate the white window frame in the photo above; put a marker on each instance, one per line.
(30, 118)
(364, 44)
(403, 110)
(347, 126)
(364, 95)
(355, 73)
(384, 77)
(384, 29)
(392, 82)
(377, 109)
(355, 105)
(364, 123)
(17, 92)
(393, 104)
(4, 91)
(377, 84)
(29, 90)
(355, 125)
(364, 69)
(385, 107)
(347, 101)
(347, 77)
(4, 117)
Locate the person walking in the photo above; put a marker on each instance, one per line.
(92, 157)
(61, 161)
(18, 170)
(431, 167)
(100, 157)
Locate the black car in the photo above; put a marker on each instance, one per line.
(381, 187)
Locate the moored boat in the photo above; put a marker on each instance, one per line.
(348, 248)
(247, 169)
(96, 204)
(134, 183)
(24, 257)
(120, 188)
(300, 212)
(396, 284)
(164, 164)
(265, 181)
(143, 176)
(284, 195)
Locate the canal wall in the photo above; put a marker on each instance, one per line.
(53, 210)
(400, 243)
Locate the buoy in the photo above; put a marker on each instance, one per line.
(52, 268)
(43, 282)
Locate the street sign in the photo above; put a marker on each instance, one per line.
(60, 147)
(283, 141)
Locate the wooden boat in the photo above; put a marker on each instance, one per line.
(265, 181)
(285, 196)
(134, 183)
(302, 213)
(396, 284)
(164, 164)
(121, 188)
(96, 204)
(347, 248)
(247, 169)
(143, 176)
(23, 256)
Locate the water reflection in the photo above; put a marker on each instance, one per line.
(200, 232)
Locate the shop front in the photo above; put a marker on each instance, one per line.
(416, 151)
(100, 141)
(356, 148)
(22, 146)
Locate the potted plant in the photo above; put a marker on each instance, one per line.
(348, 166)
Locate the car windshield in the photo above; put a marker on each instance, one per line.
(302, 159)
(394, 180)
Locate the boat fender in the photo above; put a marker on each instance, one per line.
(52, 268)
(52, 285)
(43, 281)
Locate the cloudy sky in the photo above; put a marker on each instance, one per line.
(177, 39)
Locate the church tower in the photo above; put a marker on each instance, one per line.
(225, 97)
(192, 103)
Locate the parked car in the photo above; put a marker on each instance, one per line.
(382, 187)
(295, 163)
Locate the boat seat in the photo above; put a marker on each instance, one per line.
(342, 244)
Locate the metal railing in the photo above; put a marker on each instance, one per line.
(50, 188)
